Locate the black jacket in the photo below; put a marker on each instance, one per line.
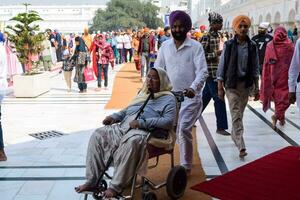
(231, 67)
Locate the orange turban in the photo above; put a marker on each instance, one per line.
(241, 18)
(146, 30)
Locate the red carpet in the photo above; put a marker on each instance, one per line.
(272, 177)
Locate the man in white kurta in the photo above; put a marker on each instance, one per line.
(294, 73)
(184, 61)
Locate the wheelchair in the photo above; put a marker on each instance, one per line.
(176, 180)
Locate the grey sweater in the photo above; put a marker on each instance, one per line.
(158, 113)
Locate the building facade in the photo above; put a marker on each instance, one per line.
(197, 9)
(66, 18)
(276, 12)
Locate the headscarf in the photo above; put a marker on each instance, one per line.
(290, 35)
(102, 44)
(81, 47)
(183, 17)
(281, 37)
(164, 89)
(241, 18)
(215, 18)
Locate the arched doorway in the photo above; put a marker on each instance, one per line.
(292, 18)
(253, 27)
(260, 19)
(277, 19)
(269, 18)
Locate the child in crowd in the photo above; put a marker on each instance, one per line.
(67, 67)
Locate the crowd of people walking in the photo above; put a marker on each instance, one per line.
(211, 66)
(206, 65)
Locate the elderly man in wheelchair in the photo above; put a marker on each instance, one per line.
(123, 141)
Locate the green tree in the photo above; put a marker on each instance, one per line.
(23, 36)
(121, 14)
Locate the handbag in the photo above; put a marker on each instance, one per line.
(88, 74)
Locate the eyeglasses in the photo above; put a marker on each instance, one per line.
(152, 78)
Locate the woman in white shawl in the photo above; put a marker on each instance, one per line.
(127, 139)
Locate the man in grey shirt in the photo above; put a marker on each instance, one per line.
(238, 72)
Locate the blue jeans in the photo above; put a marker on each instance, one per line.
(103, 67)
(82, 86)
(210, 91)
(1, 133)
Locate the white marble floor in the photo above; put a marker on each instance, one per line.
(218, 153)
(50, 169)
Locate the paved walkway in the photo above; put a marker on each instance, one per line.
(49, 169)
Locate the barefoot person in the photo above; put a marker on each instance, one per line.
(274, 82)
(127, 139)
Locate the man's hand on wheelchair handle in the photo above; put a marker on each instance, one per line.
(134, 124)
(109, 120)
(189, 92)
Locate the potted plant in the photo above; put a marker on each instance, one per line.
(28, 43)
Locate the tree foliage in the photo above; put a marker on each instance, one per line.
(23, 35)
(121, 14)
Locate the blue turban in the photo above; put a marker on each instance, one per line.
(183, 17)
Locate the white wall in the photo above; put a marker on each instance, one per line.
(276, 10)
(64, 18)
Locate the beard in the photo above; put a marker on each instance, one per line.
(179, 35)
(262, 32)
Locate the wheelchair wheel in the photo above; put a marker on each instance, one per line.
(103, 185)
(97, 195)
(149, 196)
(101, 188)
(176, 182)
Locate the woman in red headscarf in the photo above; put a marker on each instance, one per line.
(102, 55)
(94, 56)
(274, 85)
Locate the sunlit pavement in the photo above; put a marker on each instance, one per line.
(51, 168)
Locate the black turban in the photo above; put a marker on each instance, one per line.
(215, 18)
